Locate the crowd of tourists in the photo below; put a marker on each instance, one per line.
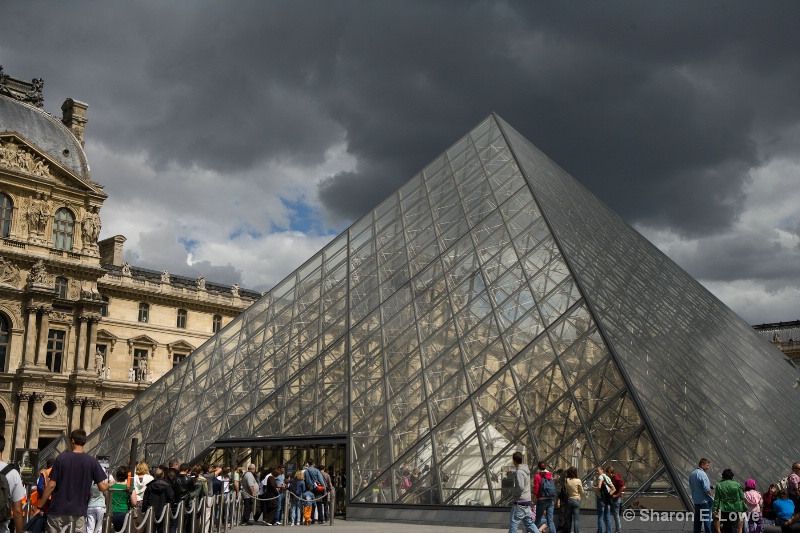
(546, 503)
(730, 508)
(206, 498)
(543, 502)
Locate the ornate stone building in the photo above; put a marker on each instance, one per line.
(81, 332)
(785, 336)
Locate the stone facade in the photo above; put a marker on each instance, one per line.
(81, 332)
(785, 336)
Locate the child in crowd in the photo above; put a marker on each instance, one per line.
(308, 507)
(783, 507)
(754, 502)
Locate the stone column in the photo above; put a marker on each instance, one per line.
(8, 433)
(36, 417)
(30, 337)
(93, 321)
(44, 329)
(95, 418)
(75, 421)
(20, 440)
(80, 345)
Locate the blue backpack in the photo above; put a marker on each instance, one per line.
(547, 489)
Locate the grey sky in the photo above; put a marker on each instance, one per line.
(247, 133)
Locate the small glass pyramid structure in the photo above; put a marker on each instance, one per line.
(491, 304)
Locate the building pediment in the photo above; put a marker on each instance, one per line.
(19, 155)
(143, 340)
(180, 346)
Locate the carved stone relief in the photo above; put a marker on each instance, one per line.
(38, 274)
(9, 273)
(74, 289)
(16, 157)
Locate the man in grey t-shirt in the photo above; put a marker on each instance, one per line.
(250, 492)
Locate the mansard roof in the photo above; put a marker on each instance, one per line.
(45, 132)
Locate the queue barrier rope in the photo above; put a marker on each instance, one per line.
(211, 514)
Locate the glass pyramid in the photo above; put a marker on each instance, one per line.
(490, 305)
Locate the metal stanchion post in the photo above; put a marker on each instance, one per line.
(150, 521)
(286, 506)
(107, 526)
(331, 506)
(179, 517)
(167, 518)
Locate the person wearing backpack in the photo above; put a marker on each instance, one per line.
(12, 492)
(544, 490)
(316, 484)
(297, 487)
(604, 489)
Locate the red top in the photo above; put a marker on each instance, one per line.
(619, 485)
(537, 480)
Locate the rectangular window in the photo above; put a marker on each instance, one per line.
(104, 309)
(182, 318)
(55, 349)
(216, 324)
(177, 357)
(138, 357)
(144, 312)
(61, 288)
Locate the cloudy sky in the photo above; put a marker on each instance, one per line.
(236, 138)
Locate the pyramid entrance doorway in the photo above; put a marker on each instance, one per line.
(292, 454)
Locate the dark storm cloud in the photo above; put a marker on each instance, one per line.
(658, 122)
(661, 109)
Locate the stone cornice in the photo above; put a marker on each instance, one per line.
(187, 299)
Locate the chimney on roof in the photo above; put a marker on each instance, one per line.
(74, 117)
(111, 250)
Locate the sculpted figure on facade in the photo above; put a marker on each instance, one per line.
(108, 373)
(38, 274)
(91, 227)
(98, 363)
(36, 96)
(201, 283)
(38, 215)
(131, 374)
(235, 290)
(9, 272)
(126, 269)
(16, 157)
(165, 276)
(143, 370)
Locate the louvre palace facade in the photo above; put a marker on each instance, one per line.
(81, 332)
(490, 305)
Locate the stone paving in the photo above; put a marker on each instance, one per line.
(665, 524)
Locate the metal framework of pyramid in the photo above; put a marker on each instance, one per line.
(491, 304)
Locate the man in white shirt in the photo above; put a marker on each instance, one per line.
(16, 489)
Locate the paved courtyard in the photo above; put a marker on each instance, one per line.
(588, 523)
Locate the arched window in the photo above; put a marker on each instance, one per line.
(3, 343)
(216, 324)
(5, 215)
(63, 227)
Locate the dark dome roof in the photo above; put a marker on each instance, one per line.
(48, 133)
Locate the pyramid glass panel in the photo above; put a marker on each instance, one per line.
(490, 305)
